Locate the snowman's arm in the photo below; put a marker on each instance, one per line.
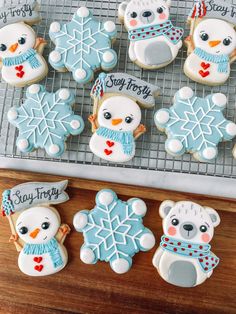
(92, 119)
(14, 239)
(233, 56)
(141, 129)
(157, 257)
(189, 43)
(132, 54)
(40, 44)
(63, 231)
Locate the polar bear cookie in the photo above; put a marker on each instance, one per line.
(195, 125)
(113, 231)
(154, 41)
(211, 44)
(83, 46)
(184, 257)
(36, 227)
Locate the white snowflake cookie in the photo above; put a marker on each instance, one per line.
(113, 231)
(184, 257)
(83, 46)
(45, 120)
(195, 125)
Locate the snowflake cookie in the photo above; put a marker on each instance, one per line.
(45, 120)
(83, 45)
(195, 125)
(113, 231)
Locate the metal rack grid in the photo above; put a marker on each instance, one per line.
(150, 153)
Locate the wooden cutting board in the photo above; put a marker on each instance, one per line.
(81, 288)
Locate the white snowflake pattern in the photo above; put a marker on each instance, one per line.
(113, 231)
(83, 45)
(45, 120)
(195, 124)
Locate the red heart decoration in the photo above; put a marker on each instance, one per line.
(107, 152)
(19, 68)
(205, 66)
(110, 144)
(204, 74)
(38, 259)
(38, 268)
(20, 74)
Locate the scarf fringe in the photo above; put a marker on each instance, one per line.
(29, 56)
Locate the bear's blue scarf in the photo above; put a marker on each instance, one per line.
(29, 56)
(201, 252)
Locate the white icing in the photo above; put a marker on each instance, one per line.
(80, 74)
(120, 265)
(108, 57)
(106, 198)
(109, 26)
(23, 144)
(75, 124)
(83, 12)
(231, 129)
(147, 241)
(87, 256)
(186, 93)
(219, 99)
(175, 146)
(162, 116)
(34, 89)
(209, 153)
(55, 56)
(80, 220)
(139, 207)
(55, 27)
(12, 115)
(64, 94)
(54, 149)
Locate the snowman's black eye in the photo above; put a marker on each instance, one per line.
(45, 225)
(203, 228)
(204, 36)
(23, 230)
(160, 10)
(133, 15)
(21, 41)
(128, 119)
(107, 115)
(3, 47)
(226, 41)
(175, 222)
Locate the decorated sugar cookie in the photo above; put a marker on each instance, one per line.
(154, 41)
(195, 125)
(212, 42)
(184, 257)
(117, 116)
(83, 46)
(113, 231)
(21, 51)
(36, 226)
(45, 120)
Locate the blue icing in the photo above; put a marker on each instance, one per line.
(113, 231)
(82, 44)
(45, 121)
(7, 205)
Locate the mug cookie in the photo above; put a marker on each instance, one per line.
(113, 231)
(184, 257)
(36, 226)
(21, 51)
(154, 41)
(195, 125)
(116, 114)
(83, 46)
(211, 43)
(45, 120)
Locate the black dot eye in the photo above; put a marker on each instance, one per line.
(175, 222)
(133, 15)
(128, 119)
(21, 41)
(226, 41)
(45, 225)
(160, 10)
(204, 36)
(3, 47)
(107, 115)
(23, 230)
(203, 228)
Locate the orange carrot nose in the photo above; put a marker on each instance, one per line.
(116, 121)
(34, 233)
(214, 43)
(14, 47)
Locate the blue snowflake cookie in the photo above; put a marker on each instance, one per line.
(83, 46)
(113, 231)
(45, 120)
(195, 125)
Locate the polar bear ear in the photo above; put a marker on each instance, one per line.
(215, 218)
(122, 9)
(168, 2)
(165, 208)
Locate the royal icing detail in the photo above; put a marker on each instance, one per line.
(45, 120)
(83, 45)
(113, 231)
(211, 44)
(184, 257)
(37, 232)
(195, 125)
(154, 41)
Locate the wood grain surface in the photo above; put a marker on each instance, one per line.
(81, 288)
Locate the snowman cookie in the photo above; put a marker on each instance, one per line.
(113, 231)
(154, 41)
(21, 52)
(195, 125)
(184, 257)
(211, 43)
(83, 46)
(36, 226)
(117, 115)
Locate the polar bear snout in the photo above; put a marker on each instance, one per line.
(188, 230)
(147, 17)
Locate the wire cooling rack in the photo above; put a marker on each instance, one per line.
(150, 153)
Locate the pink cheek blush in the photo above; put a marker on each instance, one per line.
(206, 238)
(133, 23)
(172, 231)
(162, 16)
